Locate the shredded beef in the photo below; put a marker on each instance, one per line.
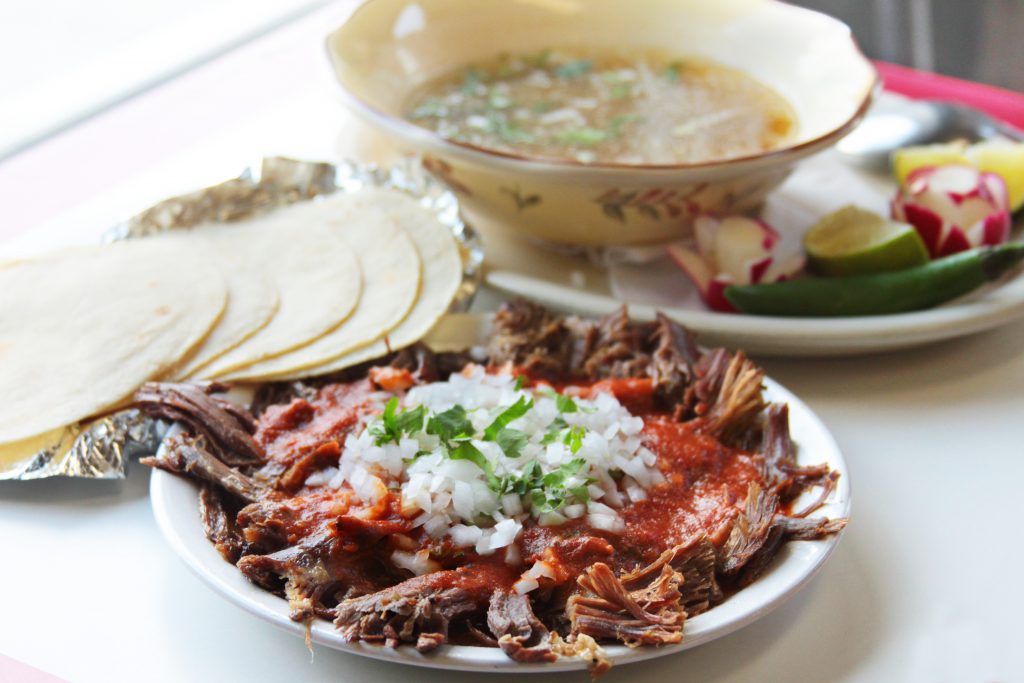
(805, 529)
(324, 455)
(735, 403)
(650, 614)
(419, 610)
(695, 563)
(185, 455)
(219, 524)
(324, 567)
(332, 564)
(227, 428)
(672, 362)
(520, 634)
(532, 338)
(754, 538)
(780, 470)
(561, 349)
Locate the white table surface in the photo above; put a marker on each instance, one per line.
(923, 587)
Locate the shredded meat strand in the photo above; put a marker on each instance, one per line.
(738, 400)
(186, 455)
(695, 562)
(750, 531)
(219, 524)
(418, 610)
(651, 613)
(532, 338)
(804, 529)
(227, 428)
(520, 634)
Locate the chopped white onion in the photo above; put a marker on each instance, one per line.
(454, 497)
(418, 563)
(524, 586)
(606, 523)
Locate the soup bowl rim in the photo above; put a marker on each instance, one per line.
(424, 137)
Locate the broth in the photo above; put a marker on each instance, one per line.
(623, 107)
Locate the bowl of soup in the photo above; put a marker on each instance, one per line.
(602, 123)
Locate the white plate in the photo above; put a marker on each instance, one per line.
(176, 503)
(985, 309)
(818, 186)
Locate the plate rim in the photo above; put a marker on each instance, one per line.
(175, 506)
(997, 304)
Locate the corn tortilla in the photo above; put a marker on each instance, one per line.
(391, 269)
(252, 296)
(442, 276)
(82, 328)
(317, 277)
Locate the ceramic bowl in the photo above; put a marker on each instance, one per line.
(388, 49)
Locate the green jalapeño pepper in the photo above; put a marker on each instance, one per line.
(899, 291)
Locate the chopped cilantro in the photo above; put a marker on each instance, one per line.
(621, 91)
(529, 479)
(451, 424)
(473, 80)
(507, 130)
(617, 122)
(419, 454)
(411, 421)
(543, 492)
(511, 442)
(558, 477)
(580, 493)
(387, 430)
(547, 492)
(430, 108)
(393, 424)
(499, 101)
(467, 451)
(513, 412)
(574, 439)
(673, 71)
(565, 404)
(575, 69)
(583, 136)
(554, 430)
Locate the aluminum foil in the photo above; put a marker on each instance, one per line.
(102, 448)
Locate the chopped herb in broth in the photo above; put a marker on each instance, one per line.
(612, 107)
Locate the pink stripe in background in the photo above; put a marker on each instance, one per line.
(1006, 105)
(13, 671)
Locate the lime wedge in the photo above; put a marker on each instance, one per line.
(1005, 158)
(852, 241)
(908, 159)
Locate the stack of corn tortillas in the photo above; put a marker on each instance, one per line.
(301, 291)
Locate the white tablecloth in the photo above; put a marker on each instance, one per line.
(923, 587)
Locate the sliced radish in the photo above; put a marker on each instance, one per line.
(732, 250)
(954, 208)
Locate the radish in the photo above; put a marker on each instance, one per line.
(954, 207)
(735, 250)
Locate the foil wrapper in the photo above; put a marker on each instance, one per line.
(102, 448)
